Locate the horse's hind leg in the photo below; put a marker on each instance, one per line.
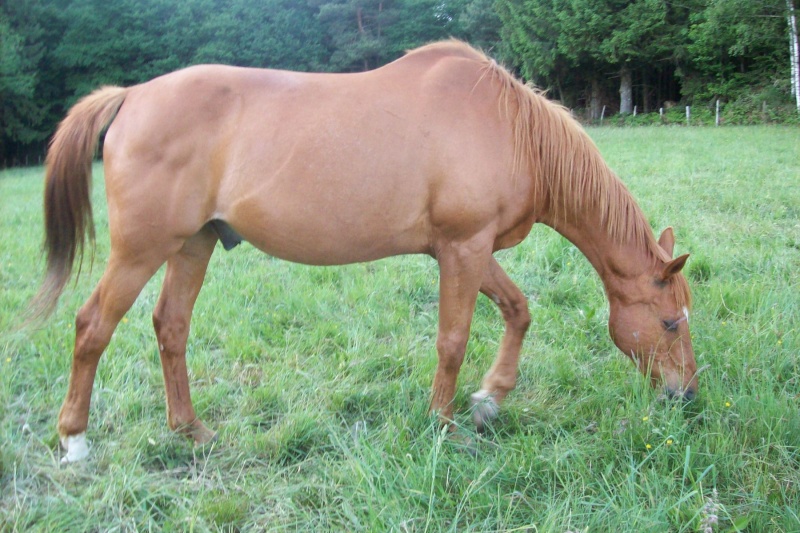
(502, 376)
(183, 280)
(121, 283)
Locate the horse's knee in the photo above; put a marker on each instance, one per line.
(516, 313)
(451, 348)
(170, 331)
(90, 339)
(521, 318)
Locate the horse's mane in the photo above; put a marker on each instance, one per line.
(567, 166)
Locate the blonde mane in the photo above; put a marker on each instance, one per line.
(566, 164)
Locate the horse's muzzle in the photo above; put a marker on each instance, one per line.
(687, 395)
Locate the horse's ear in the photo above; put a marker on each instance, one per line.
(673, 267)
(667, 241)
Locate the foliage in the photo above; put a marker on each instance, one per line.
(762, 107)
(735, 44)
(480, 25)
(586, 53)
(654, 50)
(19, 58)
(318, 379)
(573, 46)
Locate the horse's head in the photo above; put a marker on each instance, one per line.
(649, 322)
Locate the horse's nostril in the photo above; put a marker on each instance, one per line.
(689, 395)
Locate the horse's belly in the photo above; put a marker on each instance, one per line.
(334, 249)
(324, 237)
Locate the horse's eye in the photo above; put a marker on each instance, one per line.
(670, 325)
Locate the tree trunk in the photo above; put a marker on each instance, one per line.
(794, 51)
(594, 100)
(380, 10)
(625, 91)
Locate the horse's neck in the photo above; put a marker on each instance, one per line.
(586, 202)
(615, 259)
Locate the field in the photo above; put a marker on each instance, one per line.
(317, 379)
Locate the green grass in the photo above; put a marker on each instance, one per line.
(318, 379)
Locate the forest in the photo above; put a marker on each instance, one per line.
(610, 57)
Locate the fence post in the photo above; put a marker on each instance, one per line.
(688, 116)
(602, 114)
(717, 119)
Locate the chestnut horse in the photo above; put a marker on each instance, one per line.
(441, 152)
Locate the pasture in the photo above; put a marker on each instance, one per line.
(318, 378)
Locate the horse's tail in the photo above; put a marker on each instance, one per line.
(67, 203)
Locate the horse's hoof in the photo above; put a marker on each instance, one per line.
(76, 448)
(484, 409)
(207, 439)
(201, 434)
(465, 444)
(197, 431)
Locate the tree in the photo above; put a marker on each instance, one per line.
(355, 31)
(365, 34)
(628, 36)
(794, 52)
(418, 22)
(271, 33)
(535, 44)
(20, 115)
(735, 44)
(479, 24)
(580, 46)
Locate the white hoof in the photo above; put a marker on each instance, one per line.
(76, 448)
(484, 408)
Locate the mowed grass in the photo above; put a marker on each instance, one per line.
(317, 379)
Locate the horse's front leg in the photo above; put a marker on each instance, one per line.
(182, 282)
(502, 377)
(462, 267)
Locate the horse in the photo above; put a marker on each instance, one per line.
(442, 152)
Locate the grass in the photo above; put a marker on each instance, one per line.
(318, 379)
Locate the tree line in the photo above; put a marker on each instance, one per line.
(588, 54)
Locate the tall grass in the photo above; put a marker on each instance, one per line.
(318, 379)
